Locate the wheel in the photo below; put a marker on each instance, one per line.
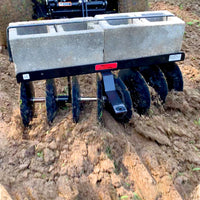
(138, 89)
(51, 104)
(173, 75)
(126, 100)
(156, 79)
(75, 99)
(26, 106)
(99, 99)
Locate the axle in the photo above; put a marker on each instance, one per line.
(63, 98)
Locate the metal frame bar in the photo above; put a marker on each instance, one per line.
(87, 69)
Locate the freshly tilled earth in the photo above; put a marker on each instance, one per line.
(154, 156)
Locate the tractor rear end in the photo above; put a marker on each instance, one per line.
(55, 9)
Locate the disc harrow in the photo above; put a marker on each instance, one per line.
(87, 45)
(120, 95)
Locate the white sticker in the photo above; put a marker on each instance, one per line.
(26, 76)
(175, 57)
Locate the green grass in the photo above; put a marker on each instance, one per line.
(47, 132)
(124, 197)
(195, 148)
(108, 152)
(197, 122)
(117, 170)
(128, 184)
(43, 176)
(64, 107)
(181, 6)
(39, 1)
(196, 169)
(40, 154)
(190, 23)
(136, 196)
(180, 174)
(195, 21)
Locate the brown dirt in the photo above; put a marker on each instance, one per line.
(132, 5)
(154, 157)
(11, 11)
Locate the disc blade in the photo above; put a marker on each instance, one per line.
(75, 99)
(26, 106)
(156, 79)
(173, 75)
(138, 89)
(51, 104)
(99, 99)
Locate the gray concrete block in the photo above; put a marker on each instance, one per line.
(84, 41)
(56, 46)
(136, 38)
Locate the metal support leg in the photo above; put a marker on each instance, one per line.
(113, 97)
(86, 8)
(69, 89)
(83, 10)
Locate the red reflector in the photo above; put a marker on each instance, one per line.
(106, 66)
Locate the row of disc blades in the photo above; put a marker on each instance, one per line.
(131, 86)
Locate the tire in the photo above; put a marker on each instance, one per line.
(156, 79)
(138, 89)
(173, 76)
(51, 104)
(26, 106)
(75, 99)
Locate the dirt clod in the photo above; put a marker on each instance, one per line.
(49, 156)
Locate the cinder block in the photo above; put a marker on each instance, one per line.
(142, 37)
(55, 46)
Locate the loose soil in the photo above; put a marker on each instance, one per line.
(155, 156)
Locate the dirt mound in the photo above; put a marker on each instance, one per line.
(154, 156)
(12, 11)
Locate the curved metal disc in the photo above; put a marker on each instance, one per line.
(138, 89)
(75, 99)
(173, 75)
(126, 100)
(26, 106)
(99, 99)
(51, 104)
(156, 79)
